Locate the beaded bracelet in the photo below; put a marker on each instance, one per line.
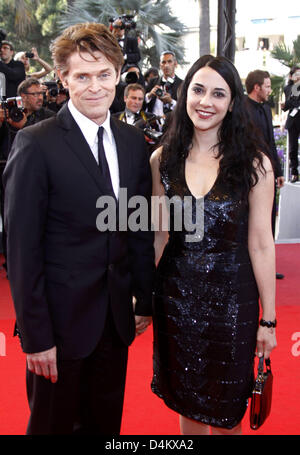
(268, 324)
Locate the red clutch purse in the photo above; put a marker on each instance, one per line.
(262, 395)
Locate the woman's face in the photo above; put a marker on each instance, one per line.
(208, 99)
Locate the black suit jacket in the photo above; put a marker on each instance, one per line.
(265, 129)
(291, 102)
(14, 74)
(131, 49)
(63, 271)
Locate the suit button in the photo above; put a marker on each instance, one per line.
(111, 267)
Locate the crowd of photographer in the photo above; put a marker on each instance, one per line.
(20, 109)
(29, 95)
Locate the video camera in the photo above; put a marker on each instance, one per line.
(127, 22)
(13, 108)
(55, 88)
(130, 77)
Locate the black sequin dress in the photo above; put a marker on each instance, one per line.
(206, 313)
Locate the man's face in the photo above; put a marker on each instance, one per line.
(264, 91)
(6, 53)
(134, 100)
(168, 64)
(91, 84)
(33, 98)
(117, 30)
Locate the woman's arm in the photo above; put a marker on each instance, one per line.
(47, 68)
(159, 210)
(262, 253)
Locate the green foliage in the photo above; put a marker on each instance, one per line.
(157, 27)
(277, 83)
(31, 23)
(286, 56)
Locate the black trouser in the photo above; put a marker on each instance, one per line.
(294, 132)
(273, 215)
(88, 396)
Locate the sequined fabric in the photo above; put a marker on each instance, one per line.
(206, 314)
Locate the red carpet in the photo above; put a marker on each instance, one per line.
(144, 413)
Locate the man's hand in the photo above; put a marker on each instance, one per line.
(152, 93)
(141, 324)
(166, 98)
(44, 364)
(18, 125)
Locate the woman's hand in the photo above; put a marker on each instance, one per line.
(265, 341)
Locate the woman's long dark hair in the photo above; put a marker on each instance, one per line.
(239, 146)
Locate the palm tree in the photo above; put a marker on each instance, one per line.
(204, 27)
(157, 28)
(286, 56)
(31, 23)
(23, 14)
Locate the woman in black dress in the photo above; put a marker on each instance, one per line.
(209, 282)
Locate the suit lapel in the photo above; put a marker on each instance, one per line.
(123, 150)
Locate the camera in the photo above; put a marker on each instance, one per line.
(29, 54)
(152, 134)
(13, 108)
(159, 92)
(167, 87)
(130, 77)
(54, 88)
(127, 22)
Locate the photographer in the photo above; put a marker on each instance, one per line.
(128, 44)
(13, 71)
(161, 93)
(24, 58)
(130, 74)
(135, 115)
(32, 96)
(33, 112)
(56, 95)
(292, 104)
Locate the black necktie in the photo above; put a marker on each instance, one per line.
(102, 160)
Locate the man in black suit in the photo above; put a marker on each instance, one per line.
(134, 95)
(73, 280)
(128, 44)
(13, 71)
(134, 114)
(34, 112)
(162, 92)
(292, 104)
(258, 86)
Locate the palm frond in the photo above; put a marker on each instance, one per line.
(285, 55)
(158, 27)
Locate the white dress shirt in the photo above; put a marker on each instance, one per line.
(89, 130)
